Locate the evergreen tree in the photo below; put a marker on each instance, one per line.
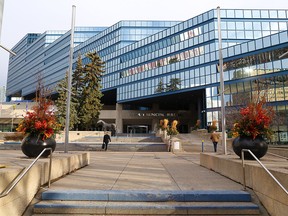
(91, 94)
(78, 85)
(160, 87)
(173, 84)
(61, 104)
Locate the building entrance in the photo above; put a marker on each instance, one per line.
(132, 129)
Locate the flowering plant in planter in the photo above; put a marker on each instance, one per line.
(197, 125)
(172, 130)
(255, 120)
(41, 121)
(163, 124)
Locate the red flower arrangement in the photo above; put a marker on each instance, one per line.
(255, 120)
(41, 121)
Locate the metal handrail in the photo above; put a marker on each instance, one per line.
(243, 165)
(24, 171)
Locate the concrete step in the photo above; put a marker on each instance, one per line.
(149, 195)
(124, 139)
(117, 147)
(141, 202)
(146, 208)
(97, 146)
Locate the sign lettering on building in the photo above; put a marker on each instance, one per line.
(152, 114)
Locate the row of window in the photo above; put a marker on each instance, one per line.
(184, 36)
(254, 13)
(237, 93)
(230, 30)
(161, 44)
(164, 61)
(253, 25)
(198, 77)
(261, 58)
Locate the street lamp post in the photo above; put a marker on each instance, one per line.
(221, 82)
(67, 122)
(1, 17)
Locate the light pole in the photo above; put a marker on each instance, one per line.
(67, 122)
(1, 18)
(1, 15)
(221, 82)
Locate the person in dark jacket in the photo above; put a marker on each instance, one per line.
(106, 140)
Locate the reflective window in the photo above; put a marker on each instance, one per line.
(239, 13)
(249, 34)
(282, 26)
(266, 41)
(274, 26)
(256, 14)
(264, 14)
(265, 25)
(273, 14)
(274, 39)
(248, 26)
(223, 25)
(240, 35)
(239, 25)
(247, 14)
(259, 44)
(230, 13)
(232, 34)
(257, 34)
(231, 25)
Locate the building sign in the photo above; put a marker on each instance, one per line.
(156, 114)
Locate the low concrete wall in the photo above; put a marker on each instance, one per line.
(282, 151)
(75, 135)
(269, 193)
(15, 203)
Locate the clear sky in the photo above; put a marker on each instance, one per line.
(36, 16)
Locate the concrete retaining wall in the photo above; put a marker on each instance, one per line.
(15, 203)
(269, 193)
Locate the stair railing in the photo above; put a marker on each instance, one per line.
(23, 172)
(261, 164)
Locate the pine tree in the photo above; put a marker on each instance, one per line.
(160, 87)
(61, 104)
(173, 84)
(78, 85)
(91, 94)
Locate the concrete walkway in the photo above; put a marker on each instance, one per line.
(145, 171)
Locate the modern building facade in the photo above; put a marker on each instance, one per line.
(166, 69)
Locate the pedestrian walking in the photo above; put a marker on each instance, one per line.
(106, 140)
(215, 139)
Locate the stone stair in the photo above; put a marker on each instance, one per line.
(124, 142)
(145, 202)
(123, 138)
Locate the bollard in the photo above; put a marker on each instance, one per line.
(202, 145)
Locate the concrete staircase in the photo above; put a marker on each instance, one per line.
(140, 143)
(145, 202)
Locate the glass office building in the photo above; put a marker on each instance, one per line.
(169, 69)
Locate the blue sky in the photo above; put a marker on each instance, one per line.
(37, 16)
